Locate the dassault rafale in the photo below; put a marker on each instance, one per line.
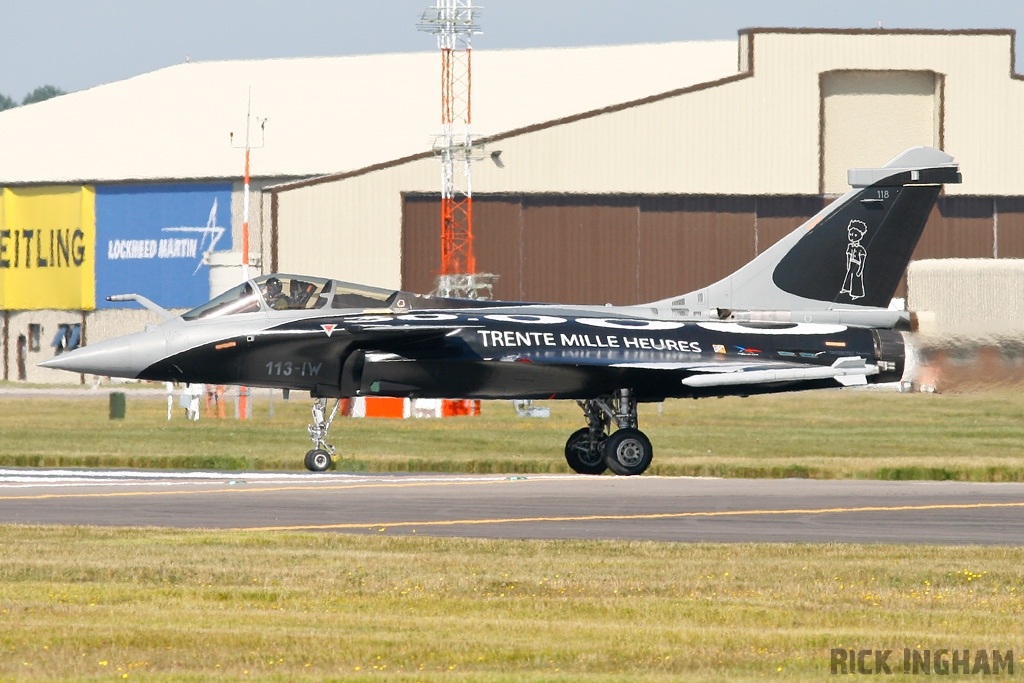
(810, 312)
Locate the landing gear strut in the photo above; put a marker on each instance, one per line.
(591, 450)
(319, 458)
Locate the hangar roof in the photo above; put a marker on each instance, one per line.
(808, 104)
(324, 114)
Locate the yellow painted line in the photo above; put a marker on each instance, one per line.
(253, 489)
(656, 515)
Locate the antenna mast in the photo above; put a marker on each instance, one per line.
(453, 22)
(245, 193)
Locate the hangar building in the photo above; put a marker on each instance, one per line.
(666, 193)
(135, 186)
(612, 174)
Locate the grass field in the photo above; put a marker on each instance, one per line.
(86, 604)
(156, 605)
(825, 434)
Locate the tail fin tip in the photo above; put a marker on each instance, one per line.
(851, 254)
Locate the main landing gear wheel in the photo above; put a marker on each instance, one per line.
(583, 452)
(628, 452)
(318, 460)
(595, 447)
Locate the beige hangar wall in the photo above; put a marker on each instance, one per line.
(806, 109)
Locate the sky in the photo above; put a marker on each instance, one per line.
(76, 45)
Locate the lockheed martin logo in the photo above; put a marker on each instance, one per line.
(211, 231)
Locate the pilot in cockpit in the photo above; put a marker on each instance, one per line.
(274, 295)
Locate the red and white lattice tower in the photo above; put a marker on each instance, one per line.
(452, 21)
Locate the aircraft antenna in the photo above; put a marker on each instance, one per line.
(454, 23)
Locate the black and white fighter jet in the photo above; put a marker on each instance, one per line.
(810, 312)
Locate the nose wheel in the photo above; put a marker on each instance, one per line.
(318, 460)
(595, 448)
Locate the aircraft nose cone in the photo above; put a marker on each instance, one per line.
(125, 356)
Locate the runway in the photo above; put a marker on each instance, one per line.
(530, 506)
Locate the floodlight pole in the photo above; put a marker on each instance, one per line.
(453, 23)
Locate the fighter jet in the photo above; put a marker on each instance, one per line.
(810, 312)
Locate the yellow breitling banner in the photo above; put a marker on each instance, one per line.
(47, 248)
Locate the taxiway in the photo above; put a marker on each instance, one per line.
(530, 506)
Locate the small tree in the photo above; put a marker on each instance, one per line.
(42, 93)
(6, 102)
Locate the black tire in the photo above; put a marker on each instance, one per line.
(628, 452)
(583, 454)
(318, 460)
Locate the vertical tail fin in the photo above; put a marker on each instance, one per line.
(851, 255)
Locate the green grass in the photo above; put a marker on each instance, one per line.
(90, 604)
(826, 434)
(84, 604)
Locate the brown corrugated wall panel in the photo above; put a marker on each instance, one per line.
(580, 250)
(779, 216)
(1011, 226)
(497, 243)
(958, 227)
(687, 242)
(634, 248)
(421, 243)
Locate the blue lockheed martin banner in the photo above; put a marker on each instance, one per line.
(150, 240)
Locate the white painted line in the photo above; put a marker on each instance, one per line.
(84, 478)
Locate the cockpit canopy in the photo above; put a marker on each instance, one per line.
(282, 292)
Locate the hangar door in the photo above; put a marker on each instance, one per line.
(868, 117)
(597, 249)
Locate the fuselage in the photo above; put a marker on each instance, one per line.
(478, 354)
(412, 346)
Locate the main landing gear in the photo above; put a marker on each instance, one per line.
(626, 451)
(319, 458)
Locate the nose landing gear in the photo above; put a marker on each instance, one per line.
(319, 458)
(595, 448)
